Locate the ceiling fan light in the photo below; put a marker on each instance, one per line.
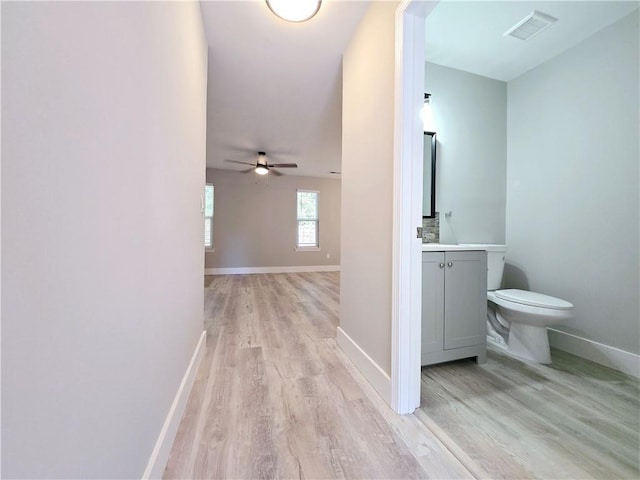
(294, 10)
(262, 170)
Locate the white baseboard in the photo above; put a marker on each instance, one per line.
(612, 357)
(162, 449)
(377, 377)
(291, 269)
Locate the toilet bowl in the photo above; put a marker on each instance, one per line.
(526, 316)
(518, 319)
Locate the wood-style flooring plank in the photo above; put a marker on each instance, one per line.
(276, 398)
(573, 419)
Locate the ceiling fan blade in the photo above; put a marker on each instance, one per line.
(281, 156)
(276, 173)
(241, 163)
(284, 165)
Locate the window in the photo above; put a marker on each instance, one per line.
(208, 216)
(307, 220)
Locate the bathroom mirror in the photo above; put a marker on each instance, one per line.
(429, 173)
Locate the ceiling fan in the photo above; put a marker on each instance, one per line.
(262, 166)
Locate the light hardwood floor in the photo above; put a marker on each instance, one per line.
(275, 397)
(573, 419)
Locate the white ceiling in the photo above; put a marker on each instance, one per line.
(469, 35)
(276, 86)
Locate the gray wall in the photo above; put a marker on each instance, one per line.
(103, 153)
(572, 183)
(255, 221)
(470, 117)
(367, 183)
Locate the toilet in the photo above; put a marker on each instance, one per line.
(517, 320)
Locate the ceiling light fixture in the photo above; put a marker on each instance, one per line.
(294, 10)
(531, 25)
(262, 170)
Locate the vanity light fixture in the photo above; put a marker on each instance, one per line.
(427, 114)
(294, 10)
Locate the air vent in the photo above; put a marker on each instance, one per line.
(531, 25)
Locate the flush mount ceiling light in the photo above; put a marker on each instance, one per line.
(294, 10)
(531, 25)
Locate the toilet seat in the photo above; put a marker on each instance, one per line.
(524, 297)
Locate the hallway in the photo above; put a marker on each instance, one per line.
(274, 397)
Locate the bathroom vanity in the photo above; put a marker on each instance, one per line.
(454, 303)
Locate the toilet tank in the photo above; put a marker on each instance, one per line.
(495, 265)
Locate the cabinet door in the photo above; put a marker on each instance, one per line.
(432, 301)
(465, 309)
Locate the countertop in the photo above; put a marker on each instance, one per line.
(448, 247)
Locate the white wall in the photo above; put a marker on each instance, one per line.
(572, 184)
(103, 154)
(367, 183)
(255, 221)
(470, 117)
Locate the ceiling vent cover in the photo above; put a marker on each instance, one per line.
(531, 25)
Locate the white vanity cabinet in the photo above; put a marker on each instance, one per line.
(454, 306)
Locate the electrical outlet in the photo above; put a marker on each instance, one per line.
(328, 256)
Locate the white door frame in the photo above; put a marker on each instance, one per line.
(407, 205)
